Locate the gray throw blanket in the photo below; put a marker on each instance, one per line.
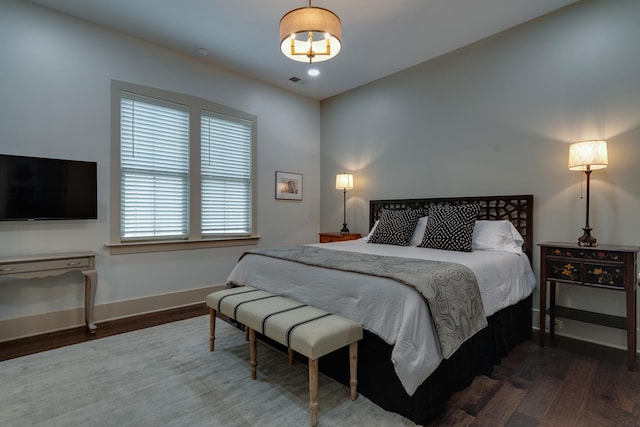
(451, 289)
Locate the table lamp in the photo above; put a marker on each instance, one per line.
(588, 156)
(344, 182)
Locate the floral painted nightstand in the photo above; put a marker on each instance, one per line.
(604, 267)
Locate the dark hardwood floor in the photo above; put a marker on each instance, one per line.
(568, 383)
(36, 344)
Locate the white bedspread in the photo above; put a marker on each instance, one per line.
(393, 311)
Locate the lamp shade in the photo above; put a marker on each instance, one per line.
(588, 155)
(344, 181)
(310, 34)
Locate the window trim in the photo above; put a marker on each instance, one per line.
(194, 239)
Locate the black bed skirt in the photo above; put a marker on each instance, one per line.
(378, 382)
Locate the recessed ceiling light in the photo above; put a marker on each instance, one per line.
(313, 72)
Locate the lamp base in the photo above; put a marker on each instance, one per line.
(344, 230)
(587, 239)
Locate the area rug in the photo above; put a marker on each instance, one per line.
(166, 376)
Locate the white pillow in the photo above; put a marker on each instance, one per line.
(496, 236)
(368, 236)
(418, 233)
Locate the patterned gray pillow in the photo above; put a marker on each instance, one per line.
(450, 227)
(395, 227)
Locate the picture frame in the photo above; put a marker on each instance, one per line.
(288, 186)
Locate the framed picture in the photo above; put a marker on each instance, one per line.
(288, 186)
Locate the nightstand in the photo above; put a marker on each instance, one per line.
(337, 237)
(602, 267)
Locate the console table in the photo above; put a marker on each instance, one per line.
(610, 267)
(37, 266)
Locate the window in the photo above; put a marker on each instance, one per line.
(184, 169)
(154, 169)
(226, 174)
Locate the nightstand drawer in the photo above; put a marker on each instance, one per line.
(564, 270)
(604, 275)
(586, 254)
(609, 275)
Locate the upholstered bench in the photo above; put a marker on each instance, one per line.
(307, 330)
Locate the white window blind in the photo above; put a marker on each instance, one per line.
(154, 168)
(226, 175)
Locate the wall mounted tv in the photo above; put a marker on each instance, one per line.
(34, 188)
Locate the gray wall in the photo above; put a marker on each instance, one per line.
(55, 83)
(497, 117)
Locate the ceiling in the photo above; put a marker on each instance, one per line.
(379, 37)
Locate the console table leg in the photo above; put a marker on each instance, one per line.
(90, 285)
(632, 312)
(552, 309)
(543, 311)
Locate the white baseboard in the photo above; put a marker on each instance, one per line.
(595, 334)
(22, 327)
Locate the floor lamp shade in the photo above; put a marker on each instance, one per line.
(588, 156)
(344, 182)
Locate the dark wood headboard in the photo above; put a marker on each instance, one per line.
(517, 209)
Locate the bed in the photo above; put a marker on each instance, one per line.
(403, 364)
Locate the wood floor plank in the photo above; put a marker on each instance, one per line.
(570, 399)
(602, 399)
(519, 382)
(614, 418)
(558, 365)
(521, 420)
(474, 398)
(510, 365)
(464, 405)
(453, 417)
(483, 421)
(503, 404)
(611, 396)
(534, 365)
(628, 390)
(540, 396)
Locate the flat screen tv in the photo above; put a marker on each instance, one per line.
(34, 188)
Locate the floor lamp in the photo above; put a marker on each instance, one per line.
(344, 182)
(588, 156)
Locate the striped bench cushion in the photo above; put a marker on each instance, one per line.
(305, 329)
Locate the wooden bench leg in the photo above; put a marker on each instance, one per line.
(313, 391)
(253, 349)
(246, 333)
(290, 352)
(212, 328)
(353, 369)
